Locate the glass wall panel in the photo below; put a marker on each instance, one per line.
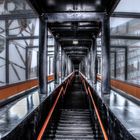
(51, 44)
(2, 61)
(17, 63)
(112, 63)
(125, 26)
(16, 37)
(128, 6)
(127, 44)
(134, 65)
(13, 6)
(23, 27)
(32, 61)
(120, 64)
(2, 28)
(124, 42)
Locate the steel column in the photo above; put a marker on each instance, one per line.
(126, 64)
(115, 64)
(27, 71)
(66, 65)
(56, 62)
(94, 61)
(99, 65)
(105, 55)
(62, 66)
(7, 52)
(49, 72)
(89, 65)
(42, 57)
(86, 66)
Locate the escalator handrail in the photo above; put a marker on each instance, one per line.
(88, 91)
(98, 116)
(61, 92)
(49, 116)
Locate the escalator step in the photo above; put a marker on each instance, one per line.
(74, 121)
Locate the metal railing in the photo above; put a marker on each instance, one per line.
(88, 92)
(62, 92)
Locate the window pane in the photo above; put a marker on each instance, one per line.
(125, 26)
(24, 27)
(2, 28)
(32, 59)
(17, 63)
(134, 65)
(51, 44)
(128, 6)
(2, 61)
(120, 64)
(13, 7)
(124, 42)
(112, 64)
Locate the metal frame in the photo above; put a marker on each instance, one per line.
(9, 18)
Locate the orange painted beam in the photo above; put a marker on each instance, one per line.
(128, 88)
(50, 78)
(13, 89)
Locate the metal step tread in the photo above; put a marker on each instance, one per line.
(74, 128)
(74, 125)
(74, 121)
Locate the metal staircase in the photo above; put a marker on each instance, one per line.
(74, 121)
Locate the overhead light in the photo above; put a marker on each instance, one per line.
(75, 42)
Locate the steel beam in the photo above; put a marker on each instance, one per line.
(77, 29)
(125, 15)
(75, 38)
(125, 37)
(113, 6)
(105, 85)
(77, 52)
(74, 16)
(115, 46)
(42, 57)
(77, 55)
(22, 37)
(19, 15)
(75, 48)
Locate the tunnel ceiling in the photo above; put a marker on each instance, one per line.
(74, 22)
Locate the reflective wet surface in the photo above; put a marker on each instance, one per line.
(127, 112)
(12, 114)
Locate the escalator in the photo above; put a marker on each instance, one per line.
(75, 120)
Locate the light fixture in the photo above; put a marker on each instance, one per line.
(75, 42)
